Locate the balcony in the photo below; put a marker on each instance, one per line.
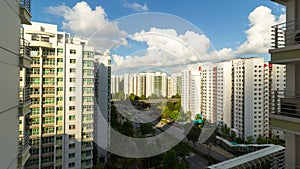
(285, 41)
(25, 53)
(25, 9)
(24, 94)
(24, 147)
(285, 108)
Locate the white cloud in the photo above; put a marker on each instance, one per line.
(259, 33)
(89, 23)
(136, 6)
(166, 47)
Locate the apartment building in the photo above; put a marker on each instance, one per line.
(236, 93)
(143, 83)
(103, 102)
(62, 99)
(14, 150)
(286, 50)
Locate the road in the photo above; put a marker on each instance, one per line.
(197, 162)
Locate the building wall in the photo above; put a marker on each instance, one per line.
(9, 73)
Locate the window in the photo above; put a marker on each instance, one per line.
(72, 51)
(35, 121)
(71, 108)
(60, 70)
(72, 136)
(87, 90)
(72, 80)
(48, 130)
(72, 61)
(72, 146)
(72, 89)
(88, 99)
(47, 120)
(35, 110)
(34, 141)
(88, 64)
(72, 165)
(72, 127)
(72, 155)
(72, 70)
(35, 131)
(60, 50)
(71, 117)
(72, 99)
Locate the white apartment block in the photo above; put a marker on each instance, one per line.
(14, 106)
(62, 108)
(144, 83)
(236, 93)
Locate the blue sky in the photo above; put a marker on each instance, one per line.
(224, 22)
(235, 28)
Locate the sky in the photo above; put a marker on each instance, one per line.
(172, 32)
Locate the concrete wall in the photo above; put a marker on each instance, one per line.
(9, 74)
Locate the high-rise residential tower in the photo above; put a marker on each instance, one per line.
(286, 50)
(62, 95)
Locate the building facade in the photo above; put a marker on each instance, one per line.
(234, 93)
(286, 50)
(62, 99)
(14, 150)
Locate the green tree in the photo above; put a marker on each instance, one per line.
(250, 139)
(127, 128)
(143, 97)
(182, 149)
(146, 128)
(194, 134)
(169, 160)
(181, 165)
(170, 106)
(178, 105)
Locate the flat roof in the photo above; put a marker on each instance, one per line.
(248, 157)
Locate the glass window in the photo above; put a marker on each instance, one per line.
(72, 51)
(72, 127)
(72, 89)
(73, 80)
(71, 117)
(72, 61)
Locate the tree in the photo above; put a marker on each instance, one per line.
(194, 134)
(182, 149)
(181, 165)
(146, 128)
(170, 106)
(169, 160)
(250, 139)
(178, 105)
(188, 115)
(143, 97)
(127, 128)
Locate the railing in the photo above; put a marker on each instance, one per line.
(24, 142)
(26, 4)
(24, 48)
(286, 103)
(24, 94)
(285, 34)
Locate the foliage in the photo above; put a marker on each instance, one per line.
(182, 149)
(177, 96)
(127, 128)
(169, 160)
(194, 134)
(146, 128)
(181, 165)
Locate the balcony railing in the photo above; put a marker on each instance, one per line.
(285, 34)
(26, 4)
(286, 103)
(24, 95)
(24, 47)
(24, 142)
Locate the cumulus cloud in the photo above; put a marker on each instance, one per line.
(89, 23)
(259, 33)
(167, 49)
(136, 6)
